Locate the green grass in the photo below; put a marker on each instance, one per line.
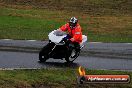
(107, 21)
(60, 78)
(25, 28)
(16, 24)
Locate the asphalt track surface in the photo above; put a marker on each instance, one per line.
(30, 60)
(119, 50)
(24, 54)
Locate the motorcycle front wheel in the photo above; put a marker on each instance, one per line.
(42, 58)
(43, 54)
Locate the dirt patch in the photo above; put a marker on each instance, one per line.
(92, 7)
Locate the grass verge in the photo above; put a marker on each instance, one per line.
(105, 22)
(52, 78)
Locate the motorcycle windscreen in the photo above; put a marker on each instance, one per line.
(56, 38)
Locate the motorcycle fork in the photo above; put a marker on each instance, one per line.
(52, 50)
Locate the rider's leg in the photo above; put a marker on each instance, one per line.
(77, 46)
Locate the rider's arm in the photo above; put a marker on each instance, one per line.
(64, 27)
(78, 36)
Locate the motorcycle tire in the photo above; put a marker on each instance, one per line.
(42, 58)
(43, 54)
(70, 58)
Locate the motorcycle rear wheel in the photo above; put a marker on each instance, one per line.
(72, 56)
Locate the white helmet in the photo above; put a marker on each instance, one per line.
(73, 22)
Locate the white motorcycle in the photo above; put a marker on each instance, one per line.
(58, 48)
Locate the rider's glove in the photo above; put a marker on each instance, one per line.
(72, 39)
(68, 41)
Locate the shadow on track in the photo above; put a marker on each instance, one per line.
(60, 64)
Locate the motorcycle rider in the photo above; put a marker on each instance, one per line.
(74, 33)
